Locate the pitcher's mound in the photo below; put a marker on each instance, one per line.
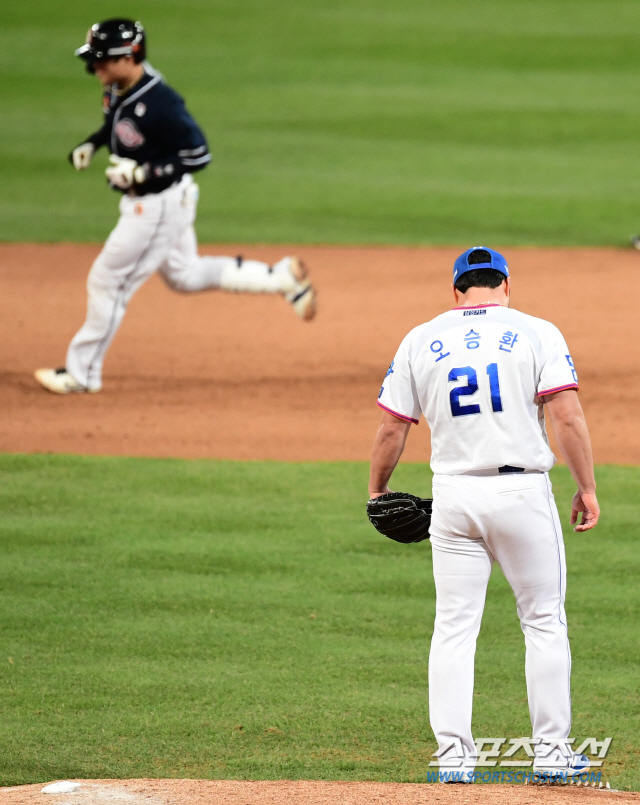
(304, 792)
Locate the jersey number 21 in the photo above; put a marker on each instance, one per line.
(470, 389)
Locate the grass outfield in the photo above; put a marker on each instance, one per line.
(225, 619)
(348, 121)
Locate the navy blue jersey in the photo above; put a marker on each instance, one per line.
(150, 123)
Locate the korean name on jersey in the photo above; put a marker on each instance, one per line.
(477, 375)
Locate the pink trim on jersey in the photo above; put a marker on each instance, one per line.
(559, 388)
(400, 416)
(475, 307)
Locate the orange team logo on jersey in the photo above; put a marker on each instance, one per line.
(138, 209)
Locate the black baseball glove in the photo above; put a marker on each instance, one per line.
(401, 516)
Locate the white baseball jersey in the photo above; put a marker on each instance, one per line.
(477, 375)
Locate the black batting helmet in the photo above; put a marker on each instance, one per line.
(111, 39)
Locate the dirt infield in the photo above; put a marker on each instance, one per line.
(233, 792)
(239, 376)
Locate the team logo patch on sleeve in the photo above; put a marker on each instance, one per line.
(129, 134)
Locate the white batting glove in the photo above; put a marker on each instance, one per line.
(125, 172)
(82, 156)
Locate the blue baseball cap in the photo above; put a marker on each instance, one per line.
(466, 262)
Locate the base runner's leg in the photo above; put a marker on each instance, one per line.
(129, 257)
(461, 569)
(187, 271)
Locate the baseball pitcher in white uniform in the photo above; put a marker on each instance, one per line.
(484, 375)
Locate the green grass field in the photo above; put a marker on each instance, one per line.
(348, 121)
(227, 619)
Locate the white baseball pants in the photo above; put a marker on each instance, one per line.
(155, 233)
(511, 519)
